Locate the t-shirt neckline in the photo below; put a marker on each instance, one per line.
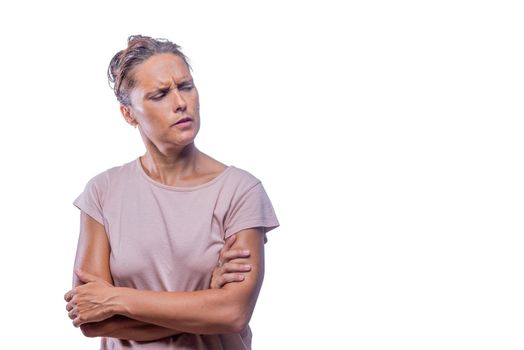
(143, 173)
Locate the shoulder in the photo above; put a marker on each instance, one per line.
(102, 179)
(241, 178)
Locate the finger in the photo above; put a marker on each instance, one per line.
(235, 254)
(225, 249)
(72, 314)
(80, 320)
(233, 267)
(229, 242)
(85, 276)
(70, 306)
(229, 278)
(68, 295)
(77, 322)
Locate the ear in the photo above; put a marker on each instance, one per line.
(128, 115)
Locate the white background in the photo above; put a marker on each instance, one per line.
(388, 134)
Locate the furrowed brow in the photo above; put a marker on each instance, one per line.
(157, 90)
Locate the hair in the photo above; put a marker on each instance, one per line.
(139, 48)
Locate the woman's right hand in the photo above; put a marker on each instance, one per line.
(227, 271)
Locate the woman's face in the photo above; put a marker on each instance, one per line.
(164, 102)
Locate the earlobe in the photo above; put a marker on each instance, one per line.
(126, 113)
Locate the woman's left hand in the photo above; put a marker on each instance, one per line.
(92, 301)
(227, 271)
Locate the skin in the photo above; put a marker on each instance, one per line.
(212, 311)
(165, 93)
(93, 258)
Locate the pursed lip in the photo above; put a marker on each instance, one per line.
(182, 120)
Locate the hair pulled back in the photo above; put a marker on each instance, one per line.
(139, 48)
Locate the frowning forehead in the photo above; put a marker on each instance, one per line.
(161, 70)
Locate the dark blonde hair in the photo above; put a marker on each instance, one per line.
(139, 48)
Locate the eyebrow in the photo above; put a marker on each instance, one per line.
(166, 86)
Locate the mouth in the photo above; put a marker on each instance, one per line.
(183, 120)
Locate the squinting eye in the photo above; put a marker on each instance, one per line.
(187, 88)
(158, 97)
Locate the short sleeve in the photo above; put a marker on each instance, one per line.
(252, 209)
(90, 200)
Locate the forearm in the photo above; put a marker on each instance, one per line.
(202, 312)
(122, 327)
(212, 311)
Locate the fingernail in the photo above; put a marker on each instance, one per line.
(245, 251)
(247, 267)
(241, 277)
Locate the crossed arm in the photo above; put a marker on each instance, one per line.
(103, 310)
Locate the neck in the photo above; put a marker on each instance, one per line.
(169, 167)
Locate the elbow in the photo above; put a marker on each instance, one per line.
(239, 320)
(238, 326)
(90, 330)
(87, 331)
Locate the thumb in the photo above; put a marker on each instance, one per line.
(85, 276)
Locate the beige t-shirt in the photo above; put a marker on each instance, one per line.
(166, 238)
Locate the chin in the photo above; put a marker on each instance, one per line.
(185, 141)
(183, 137)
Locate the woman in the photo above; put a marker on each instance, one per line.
(153, 229)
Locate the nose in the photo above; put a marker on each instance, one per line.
(179, 103)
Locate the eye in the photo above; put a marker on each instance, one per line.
(159, 96)
(186, 87)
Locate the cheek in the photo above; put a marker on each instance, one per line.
(196, 101)
(152, 121)
(154, 114)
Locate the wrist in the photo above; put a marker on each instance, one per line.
(120, 305)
